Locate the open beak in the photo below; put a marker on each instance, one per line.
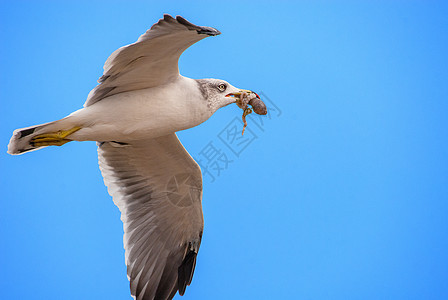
(238, 94)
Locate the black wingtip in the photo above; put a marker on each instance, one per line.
(185, 271)
(168, 17)
(200, 29)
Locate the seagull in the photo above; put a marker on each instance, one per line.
(133, 114)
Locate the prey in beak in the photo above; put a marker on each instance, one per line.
(245, 98)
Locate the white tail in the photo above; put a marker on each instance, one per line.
(21, 138)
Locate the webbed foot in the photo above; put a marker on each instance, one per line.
(54, 138)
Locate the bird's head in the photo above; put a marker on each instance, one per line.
(220, 93)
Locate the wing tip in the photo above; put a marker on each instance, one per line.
(185, 271)
(200, 29)
(210, 31)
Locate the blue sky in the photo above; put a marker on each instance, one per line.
(340, 194)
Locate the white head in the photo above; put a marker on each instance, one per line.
(219, 93)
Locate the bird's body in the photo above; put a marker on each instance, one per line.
(143, 114)
(133, 114)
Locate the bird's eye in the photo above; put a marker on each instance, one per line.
(222, 87)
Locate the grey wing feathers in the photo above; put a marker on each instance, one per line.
(151, 61)
(158, 189)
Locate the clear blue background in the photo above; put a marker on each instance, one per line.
(343, 196)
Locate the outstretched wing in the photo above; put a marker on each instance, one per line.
(158, 188)
(151, 61)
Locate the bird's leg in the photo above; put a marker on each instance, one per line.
(54, 138)
(247, 111)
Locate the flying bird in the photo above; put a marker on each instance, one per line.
(133, 113)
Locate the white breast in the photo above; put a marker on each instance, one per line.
(143, 114)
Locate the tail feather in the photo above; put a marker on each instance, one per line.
(21, 138)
